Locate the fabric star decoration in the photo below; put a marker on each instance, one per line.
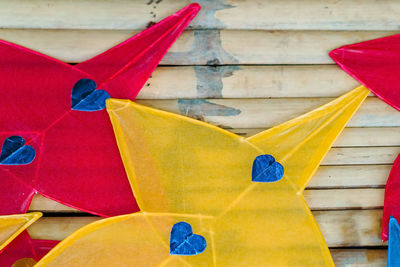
(374, 63)
(56, 135)
(16, 246)
(199, 204)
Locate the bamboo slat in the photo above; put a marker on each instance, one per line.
(230, 14)
(211, 47)
(317, 199)
(340, 228)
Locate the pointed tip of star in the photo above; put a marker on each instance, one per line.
(14, 225)
(373, 63)
(195, 7)
(337, 54)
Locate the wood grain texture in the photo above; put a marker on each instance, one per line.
(244, 65)
(359, 257)
(366, 182)
(340, 228)
(247, 82)
(205, 47)
(266, 113)
(229, 14)
(350, 137)
(317, 199)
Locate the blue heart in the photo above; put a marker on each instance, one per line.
(85, 97)
(266, 169)
(184, 242)
(15, 152)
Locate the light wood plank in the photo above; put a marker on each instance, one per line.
(317, 199)
(352, 137)
(340, 228)
(355, 228)
(361, 155)
(367, 198)
(359, 257)
(247, 82)
(199, 47)
(351, 176)
(230, 14)
(265, 113)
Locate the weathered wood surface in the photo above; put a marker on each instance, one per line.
(357, 228)
(317, 199)
(354, 228)
(210, 47)
(235, 81)
(350, 137)
(265, 113)
(231, 14)
(359, 257)
(245, 65)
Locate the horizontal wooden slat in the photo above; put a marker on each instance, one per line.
(352, 137)
(233, 14)
(317, 199)
(361, 155)
(366, 198)
(265, 113)
(198, 47)
(354, 228)
(247, 82)
(340, 228)
(352, 176)
(359, 257)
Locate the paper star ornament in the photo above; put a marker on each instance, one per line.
(375, 64)
(56, 109)
(197, 176)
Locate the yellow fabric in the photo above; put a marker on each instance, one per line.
(181, 169)
(12, 225)
(301, 143)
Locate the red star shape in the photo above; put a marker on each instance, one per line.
(77, 160)
(374, 63)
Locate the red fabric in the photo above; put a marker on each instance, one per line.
(391, 205)
(25, 247)
(375, 64)
(77, 160)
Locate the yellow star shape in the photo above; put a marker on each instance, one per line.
(12, 225)
(182, 169)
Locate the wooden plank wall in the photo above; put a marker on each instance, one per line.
(244, 65)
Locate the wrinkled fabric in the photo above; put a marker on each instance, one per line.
(184, 170)
(77, 161)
